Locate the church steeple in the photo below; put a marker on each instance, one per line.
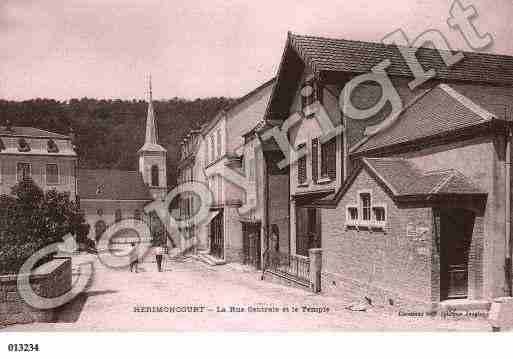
(151, 138)
(152, 156)
(151, 128)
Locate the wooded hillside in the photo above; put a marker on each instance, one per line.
(109, 132)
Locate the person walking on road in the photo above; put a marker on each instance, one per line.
(134, 261)
(159, 251)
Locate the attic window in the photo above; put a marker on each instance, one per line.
(52, 146)
(23, 145)
(311, 91)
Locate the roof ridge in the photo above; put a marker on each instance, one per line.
(442, 183)
(380, 176)
(402, 46)
(468, 103)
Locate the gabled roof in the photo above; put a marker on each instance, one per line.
(23, 131)
(439, 110)
(341, 55)
(105, 184)
(328, 56)
(404, 180)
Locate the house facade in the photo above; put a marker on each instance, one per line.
(46, 157)
(223, 155)
(450, 135)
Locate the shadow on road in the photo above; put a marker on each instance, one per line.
(70, 312)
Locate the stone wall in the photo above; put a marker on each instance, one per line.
(49, 280)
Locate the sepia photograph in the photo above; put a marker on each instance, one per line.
(255, 167)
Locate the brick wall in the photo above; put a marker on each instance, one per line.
(379, 264)
(49, 280)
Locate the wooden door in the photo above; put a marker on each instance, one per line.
(217, 236)
(456, 227)
(251, 244)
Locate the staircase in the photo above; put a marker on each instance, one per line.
(205, 257)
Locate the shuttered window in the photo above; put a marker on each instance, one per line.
(315, 159)
(329, 159)
(301, 166)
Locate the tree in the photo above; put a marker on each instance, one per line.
(31, 219)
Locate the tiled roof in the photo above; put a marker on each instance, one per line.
(437, 111)
(112, 184)
(403, 178)
(340, 55)
(22, 131)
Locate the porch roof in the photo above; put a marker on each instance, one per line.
(403, 179)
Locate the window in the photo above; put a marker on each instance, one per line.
(137, 214)
(365, 205)
(155, 176)
(311, 91)
(251, 166)
(212, 148)
(307, 93)
(329, 159)
(366, 214)
(220, 189)
(379, 214)
(352, 213)
(23, 145)
(301, 166)
(52, 173)
(23, 171)
(118, 215)
(219, 143)
(51, 146)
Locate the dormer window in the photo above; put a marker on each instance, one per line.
(51, 146)
(311, 91)
(23, 145)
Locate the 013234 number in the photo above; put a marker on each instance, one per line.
(23, 347)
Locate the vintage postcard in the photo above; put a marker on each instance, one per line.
(255, 166)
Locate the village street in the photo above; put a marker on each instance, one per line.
(115, 299)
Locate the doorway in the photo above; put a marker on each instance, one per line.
(251, 244)
(217, 236)
(308, 229)
(455, 235)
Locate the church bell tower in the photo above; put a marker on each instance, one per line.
(152, 156)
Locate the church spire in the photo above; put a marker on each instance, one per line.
(151, 128)
(151, 137)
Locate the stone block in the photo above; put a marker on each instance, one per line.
(501, 313)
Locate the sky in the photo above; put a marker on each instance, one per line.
(66, 49)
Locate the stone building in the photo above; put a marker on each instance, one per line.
(223, 156)
(46, 157)
(414, 209)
